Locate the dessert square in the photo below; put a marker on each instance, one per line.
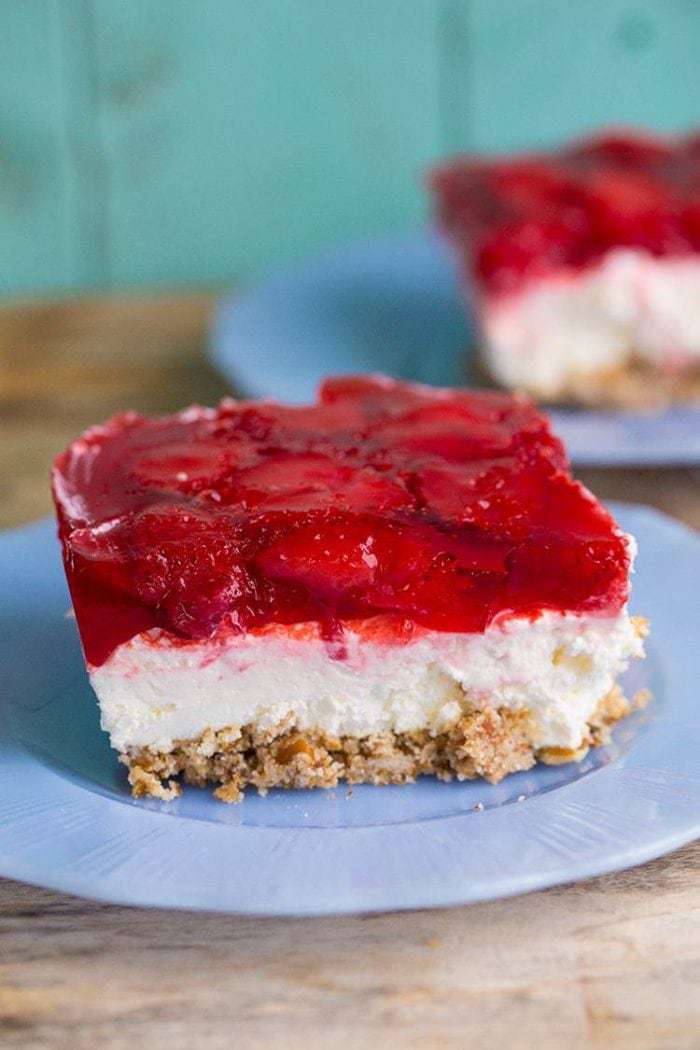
(583, 266)
(393, 581)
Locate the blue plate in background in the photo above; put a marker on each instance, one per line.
(392, 305)
(67, 820)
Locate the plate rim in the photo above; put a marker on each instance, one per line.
(77, 805)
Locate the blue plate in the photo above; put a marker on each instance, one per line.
(67, 821)
(392, 305)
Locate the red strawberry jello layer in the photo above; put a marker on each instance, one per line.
(583, 265)
(395, 580)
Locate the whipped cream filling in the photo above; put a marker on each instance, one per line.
(576, 324)
(153, 691)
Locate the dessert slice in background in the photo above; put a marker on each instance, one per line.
(393, 581)
(583, 266)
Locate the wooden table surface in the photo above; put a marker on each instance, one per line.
(613, 962)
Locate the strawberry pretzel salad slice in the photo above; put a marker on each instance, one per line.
(394, 581)
(583, 266)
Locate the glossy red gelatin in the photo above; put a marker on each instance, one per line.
(441, 508)
(519, 218)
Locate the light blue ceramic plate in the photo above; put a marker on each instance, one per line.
(67, 821)
(392, 305)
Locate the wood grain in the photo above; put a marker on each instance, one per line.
(68, 364)
(242, 133)
(37, 222)
(612, 963)
(155, 142)
(536, 71)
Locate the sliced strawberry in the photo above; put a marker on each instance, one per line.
(691, 224)
(184, 467)
(354, 388)
(442, 441)
(329, 558)
(313, 482)
(531, 185)
(519, 250)
(103, 542)
(626, 193)
(190, 566)
(585, 570)
(498, 498)
(627, 148)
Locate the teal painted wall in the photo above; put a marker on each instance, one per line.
(167, 142)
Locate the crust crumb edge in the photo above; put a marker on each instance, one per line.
(489, 744)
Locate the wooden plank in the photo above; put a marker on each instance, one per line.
(238, 135)
(455, 77)
(85, 166)
(52, 173)
(34, 226)
(536, 71)
(611, 963)
(65, 365)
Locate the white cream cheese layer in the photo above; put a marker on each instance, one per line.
(572, 325)
(559, 667)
